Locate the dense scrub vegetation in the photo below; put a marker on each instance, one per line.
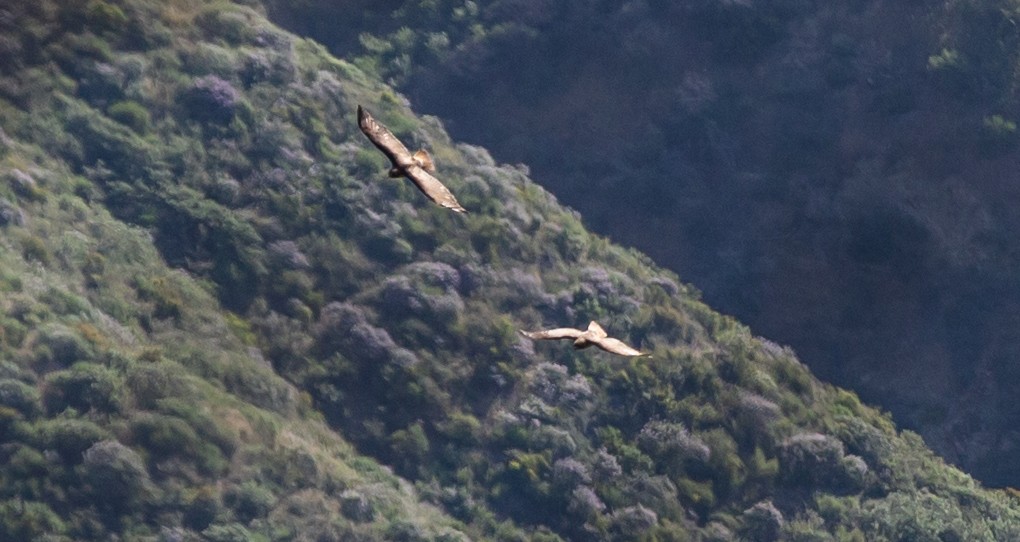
(210, 288)
(838, 175)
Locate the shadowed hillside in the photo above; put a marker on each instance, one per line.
(220, 320)
(839, 176)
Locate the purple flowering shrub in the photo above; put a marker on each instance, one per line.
(287, 255)
(211, 98)
(661, 438)
(819, 460)
(345, 328)
(427, 290)
(763, 522)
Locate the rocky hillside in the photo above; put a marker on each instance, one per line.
(219, 320)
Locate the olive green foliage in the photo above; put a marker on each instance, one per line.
(227, 317)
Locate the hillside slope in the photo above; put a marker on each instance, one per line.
(210, 287)
(130, 405)
(839, 176)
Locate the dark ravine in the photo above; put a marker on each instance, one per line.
(840, 177)
(220, 320)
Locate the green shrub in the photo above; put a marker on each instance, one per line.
(64, 302)
(403, 530)
(836, 510)
(26, 463)
(70, 437)
(19, 396)
(9, 420)
(249, 500)
(150, 382)
(259, 385)
(487, 238)
(34, 248)
(105, 16)
(291, 468)
(819, 461)
(25, 185)
(672, 446)
(954, 73)
(59, 346)
(232, 532)
(202, 507)
(84, 387)
(230, 22)
(355, 506)
(699, 494)
(409, 447)
(131, 114)
(161, 292)
(630, 456)
(998, 134)
(461, 428)
(202, 421)
(167, 436)
(86, 44)
(29, 520)
(207, 58)
(114, 145)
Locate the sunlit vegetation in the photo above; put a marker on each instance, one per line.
(806, 158)
(220, 320)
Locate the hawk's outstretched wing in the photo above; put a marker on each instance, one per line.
(616, 346)
(381, 137)
(558, 333)
(432, 188)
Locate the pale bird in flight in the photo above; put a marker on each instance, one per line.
(418, 166)
(594, 335)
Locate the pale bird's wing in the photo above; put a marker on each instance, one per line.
(424, 159)
(558, 333)
(384, 139)
(432, 188)
(595, 328)
(616, 346)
